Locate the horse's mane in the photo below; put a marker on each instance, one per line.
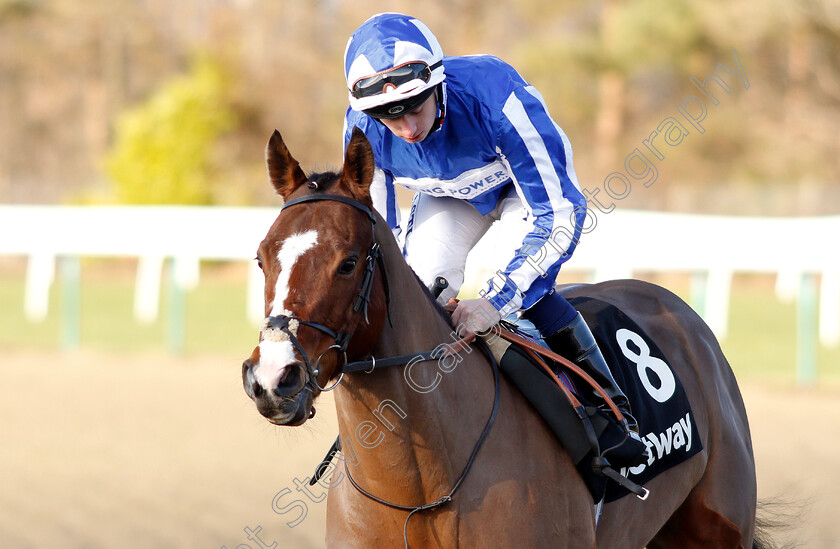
(324, 181)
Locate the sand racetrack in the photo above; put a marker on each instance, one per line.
(155, 452)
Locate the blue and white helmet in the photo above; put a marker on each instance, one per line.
(392, 63)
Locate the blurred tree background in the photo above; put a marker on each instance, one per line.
(152, 101)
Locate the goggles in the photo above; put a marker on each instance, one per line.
(393, 78)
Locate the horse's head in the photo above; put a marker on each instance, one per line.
(324, 299)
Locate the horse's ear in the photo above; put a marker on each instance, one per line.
(283, 170)
(358, 165)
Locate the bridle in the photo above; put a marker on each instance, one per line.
(360, 304)
(342, 339)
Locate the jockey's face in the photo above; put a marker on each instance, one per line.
(414, 126)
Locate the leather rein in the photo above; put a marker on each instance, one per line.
(412, 509)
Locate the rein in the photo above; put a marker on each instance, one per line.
(395, 361)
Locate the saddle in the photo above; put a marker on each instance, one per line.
(592, 438)
(644, 373)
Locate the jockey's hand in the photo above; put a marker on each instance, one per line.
(473, 316)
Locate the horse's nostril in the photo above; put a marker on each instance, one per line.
(249, 382)
(257, 389)
(290, 383)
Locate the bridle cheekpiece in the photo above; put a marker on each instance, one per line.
(360, 303)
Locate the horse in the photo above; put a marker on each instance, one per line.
(442, 453)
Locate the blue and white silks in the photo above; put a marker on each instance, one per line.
(497, 135)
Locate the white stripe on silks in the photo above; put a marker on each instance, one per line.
(515, 112)
(525, 275)
(379, 195)
(567, 146)
(466, 185)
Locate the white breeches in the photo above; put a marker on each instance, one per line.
(442, 231)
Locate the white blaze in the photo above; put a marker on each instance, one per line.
(292, 248)
(276, 350)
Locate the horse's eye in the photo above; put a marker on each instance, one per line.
(259, 262)
(348, 266)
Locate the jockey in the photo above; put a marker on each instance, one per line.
(477, 145)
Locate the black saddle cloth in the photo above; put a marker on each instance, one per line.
(656, 396)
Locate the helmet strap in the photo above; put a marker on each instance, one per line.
(440, 95)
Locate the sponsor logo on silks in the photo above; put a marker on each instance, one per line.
(674, 438)
(469, 184)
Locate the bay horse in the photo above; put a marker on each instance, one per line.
(456, 450)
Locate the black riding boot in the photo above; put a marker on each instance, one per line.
(576, 342)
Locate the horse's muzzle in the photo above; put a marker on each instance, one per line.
(289, 402)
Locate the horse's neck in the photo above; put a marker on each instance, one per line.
(413, 425)
(414, 319)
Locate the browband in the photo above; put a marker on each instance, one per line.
(339, 198)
